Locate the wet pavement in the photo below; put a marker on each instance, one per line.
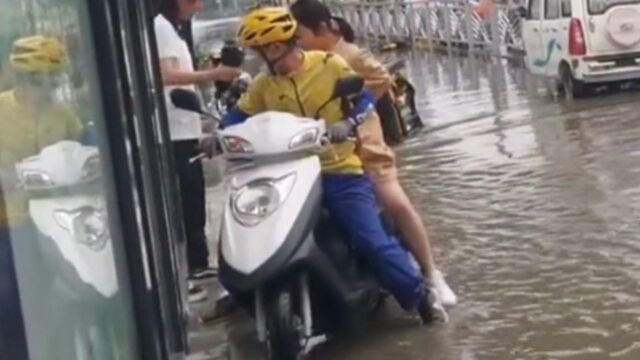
(532, 203)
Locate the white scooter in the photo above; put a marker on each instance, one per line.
(280, 256)
(71, 258)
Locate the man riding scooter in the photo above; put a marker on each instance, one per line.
(298, 83)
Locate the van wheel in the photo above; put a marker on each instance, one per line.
(569, 85)
(284, 329)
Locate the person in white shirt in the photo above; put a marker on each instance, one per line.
(176, 65)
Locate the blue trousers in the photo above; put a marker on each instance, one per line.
(352, 205)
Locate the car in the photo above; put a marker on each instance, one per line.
(580, 43)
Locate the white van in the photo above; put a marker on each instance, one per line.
(582, 42)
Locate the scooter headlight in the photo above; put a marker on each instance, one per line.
(306, 138)
(254, 202)
(237, 145)
(32, 179)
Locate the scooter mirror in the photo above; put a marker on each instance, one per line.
(186, 100)
(350, 85)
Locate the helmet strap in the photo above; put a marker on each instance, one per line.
(271, 64)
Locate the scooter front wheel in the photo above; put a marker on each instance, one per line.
(285, 330)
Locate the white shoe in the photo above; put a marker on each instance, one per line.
(447, 296)
(430, 308)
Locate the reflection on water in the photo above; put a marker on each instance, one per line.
(533, 206)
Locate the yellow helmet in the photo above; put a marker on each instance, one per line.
(266, 26)
(38, 54)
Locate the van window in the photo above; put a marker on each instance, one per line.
(534, 9)
(597, 7)
(551, 9)
(566, 8)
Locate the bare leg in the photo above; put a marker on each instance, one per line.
(398, 205)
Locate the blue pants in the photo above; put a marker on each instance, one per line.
(352, 205)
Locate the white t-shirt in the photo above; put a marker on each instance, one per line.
(183, 125)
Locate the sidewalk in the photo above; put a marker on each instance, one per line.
(209, 342)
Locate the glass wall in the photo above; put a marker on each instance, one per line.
(64, 292)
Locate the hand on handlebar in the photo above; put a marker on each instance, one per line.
(210, 146)
(340, 131)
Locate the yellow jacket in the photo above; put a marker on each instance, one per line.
(302, 94)
(24, 132)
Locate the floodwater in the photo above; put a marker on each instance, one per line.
(532, 204)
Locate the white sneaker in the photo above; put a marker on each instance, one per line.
(430, 307)
(447, 296)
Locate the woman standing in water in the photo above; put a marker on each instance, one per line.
(319, 30)
(176, 65)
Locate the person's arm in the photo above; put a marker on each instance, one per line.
(170, 48)
(376, 77)
(74, 128)
(172, 76)
(361, 104)
(251, 103)
(357, 108)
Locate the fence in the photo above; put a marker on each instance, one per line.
(448, 24)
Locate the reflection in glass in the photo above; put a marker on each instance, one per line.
(55, 212)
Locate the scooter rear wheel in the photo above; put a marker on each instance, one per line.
(284, 328)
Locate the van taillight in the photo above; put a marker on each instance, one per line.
(577, 44)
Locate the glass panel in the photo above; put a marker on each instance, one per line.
(552, 9)
(597, 7)
(534, 10)
(63, 268)
(566, 8)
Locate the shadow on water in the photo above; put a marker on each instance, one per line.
(532, 204)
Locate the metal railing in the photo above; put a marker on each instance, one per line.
(445, 24)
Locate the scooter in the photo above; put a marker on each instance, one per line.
(281, 257)
(72, 253)
(398, 112)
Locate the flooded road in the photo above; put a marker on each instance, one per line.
(533, 205)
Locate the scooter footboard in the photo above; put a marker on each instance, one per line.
(334, 296)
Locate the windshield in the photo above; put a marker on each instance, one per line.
(601, 6)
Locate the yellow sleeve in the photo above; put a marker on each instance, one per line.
(74, 126)
(252, 101)
(376, 77)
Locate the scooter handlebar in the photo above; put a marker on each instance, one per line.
(326, 141)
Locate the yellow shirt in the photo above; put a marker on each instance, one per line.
(24, 132)
(302, 94)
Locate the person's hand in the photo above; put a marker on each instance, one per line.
(340, 131)
(225, 73)
(210, 145)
